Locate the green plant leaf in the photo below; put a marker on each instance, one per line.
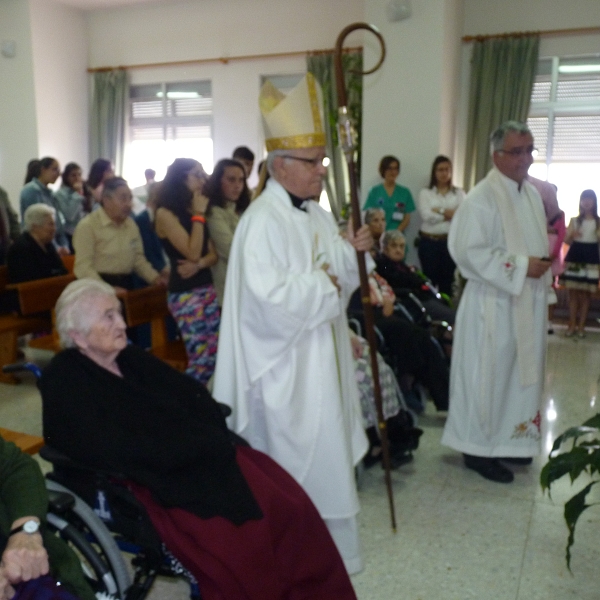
(572, 432)
(593, 422)
(573, 509)
(572, 462)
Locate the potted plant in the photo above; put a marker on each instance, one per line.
(576, 452)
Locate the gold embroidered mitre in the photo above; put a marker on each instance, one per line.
(295, 120)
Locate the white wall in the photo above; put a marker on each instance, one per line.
(215, 28)
(212, 29)
(490, 16)
(18, 131)
(410, 103)
(59, 44)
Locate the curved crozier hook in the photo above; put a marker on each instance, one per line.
(338, 56)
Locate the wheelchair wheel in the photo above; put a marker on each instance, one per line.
(101, 559)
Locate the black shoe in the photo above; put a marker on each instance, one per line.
(370, 459)
(397, 460)
(490, 468)
(514, 460)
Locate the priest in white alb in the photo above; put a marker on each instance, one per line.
(284, 363)
(498, 241)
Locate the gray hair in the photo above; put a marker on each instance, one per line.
(371, 212)
(271, 156)
(497, 138)
(391, 236)
(112, 184)
(36, 215)
(72, 308)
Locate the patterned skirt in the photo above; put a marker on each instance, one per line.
(581, 267)
(198, 317)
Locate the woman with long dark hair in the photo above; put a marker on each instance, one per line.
(181, 226)
(437, 205)
(70, 198)
(581, 263)
(100, 171)
(228, 197)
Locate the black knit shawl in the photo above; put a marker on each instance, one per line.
(158, 427)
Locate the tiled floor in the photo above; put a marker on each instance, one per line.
(459, 536)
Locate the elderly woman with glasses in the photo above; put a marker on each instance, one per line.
(233, 517)
(181, 226)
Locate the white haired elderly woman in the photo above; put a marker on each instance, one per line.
(33, 255)
(230, 514)
(375, 219)
(402, 278)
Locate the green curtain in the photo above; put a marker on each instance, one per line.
(502, 77)
(110, 91)
(321, 66)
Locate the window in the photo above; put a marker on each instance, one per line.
(168, 121)
(564, 118)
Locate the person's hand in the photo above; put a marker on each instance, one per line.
(333, 278)
(388, 307)
(199, 203)
(63, 251)
(357, 349)
(6, 590)
(187, 268)
(24, 558)
(537, 267)
(120, 291)
(448, 214)
(161, 280)
(362, 240)
(576, 234)
(78, 187)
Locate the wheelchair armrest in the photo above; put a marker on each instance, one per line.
(355, 325)
(57, 458)
(402, 292)
(62, 461)
(60, 502)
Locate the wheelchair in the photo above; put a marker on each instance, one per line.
(95, 513)
(411, 310)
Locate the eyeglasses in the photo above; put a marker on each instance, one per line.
(519, 151)
(313, 162)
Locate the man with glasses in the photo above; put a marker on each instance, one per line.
(498, 241)
(284, 362)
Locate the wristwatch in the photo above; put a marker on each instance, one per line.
(29, 527)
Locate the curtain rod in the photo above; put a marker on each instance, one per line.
(223, 60)
(548, 32)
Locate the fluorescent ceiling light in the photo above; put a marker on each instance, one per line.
(579, 68)
(178, 95)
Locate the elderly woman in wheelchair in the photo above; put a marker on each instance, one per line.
(405, 280)
(235, 519)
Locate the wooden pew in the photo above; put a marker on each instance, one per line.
(35, 299)
(149, 305)
(69, 262)
(30, 444)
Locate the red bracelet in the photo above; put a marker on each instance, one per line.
(198, 219)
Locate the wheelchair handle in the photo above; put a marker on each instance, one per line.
(23, 366)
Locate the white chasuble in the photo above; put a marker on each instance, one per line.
(499, 350)
(284, 363)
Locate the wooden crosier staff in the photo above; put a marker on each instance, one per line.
(347, 139)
